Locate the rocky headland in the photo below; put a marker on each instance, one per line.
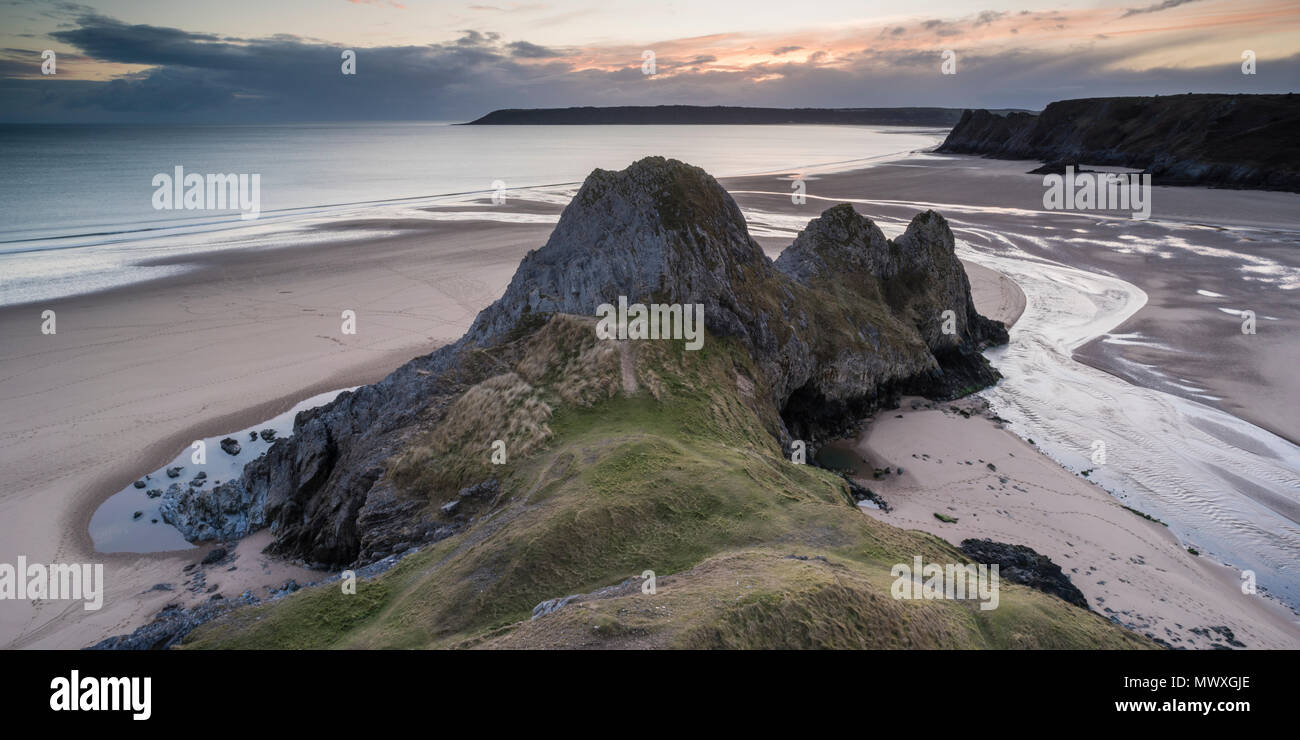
(531, 460)
(845, 320)
(1234, 141)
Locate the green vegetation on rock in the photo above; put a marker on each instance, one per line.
(682, 477)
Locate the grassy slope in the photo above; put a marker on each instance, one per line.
(682, 478)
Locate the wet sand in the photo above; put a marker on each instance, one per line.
(1118, 352)
(1241, 245)
(998, 486)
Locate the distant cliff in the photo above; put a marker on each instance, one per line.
(1237, 141)
(717, 114)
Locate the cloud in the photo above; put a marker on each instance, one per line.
(526, 50)
(1167, 4)
(778, 51)
(526, 8)
(476, 38)
(201, 76)
(111, 40)
(28, 62)
(193, 76)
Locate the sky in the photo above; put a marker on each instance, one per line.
(248, 61)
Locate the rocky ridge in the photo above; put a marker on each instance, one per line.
(843, 322)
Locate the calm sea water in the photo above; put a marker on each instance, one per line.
(77, 201)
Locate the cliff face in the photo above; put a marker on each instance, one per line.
(1240, 141)
(984, 132)
(841, 322)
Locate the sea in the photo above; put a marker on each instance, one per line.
(78, 201)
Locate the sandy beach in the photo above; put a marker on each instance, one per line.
(135, 373)
(997, 486)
